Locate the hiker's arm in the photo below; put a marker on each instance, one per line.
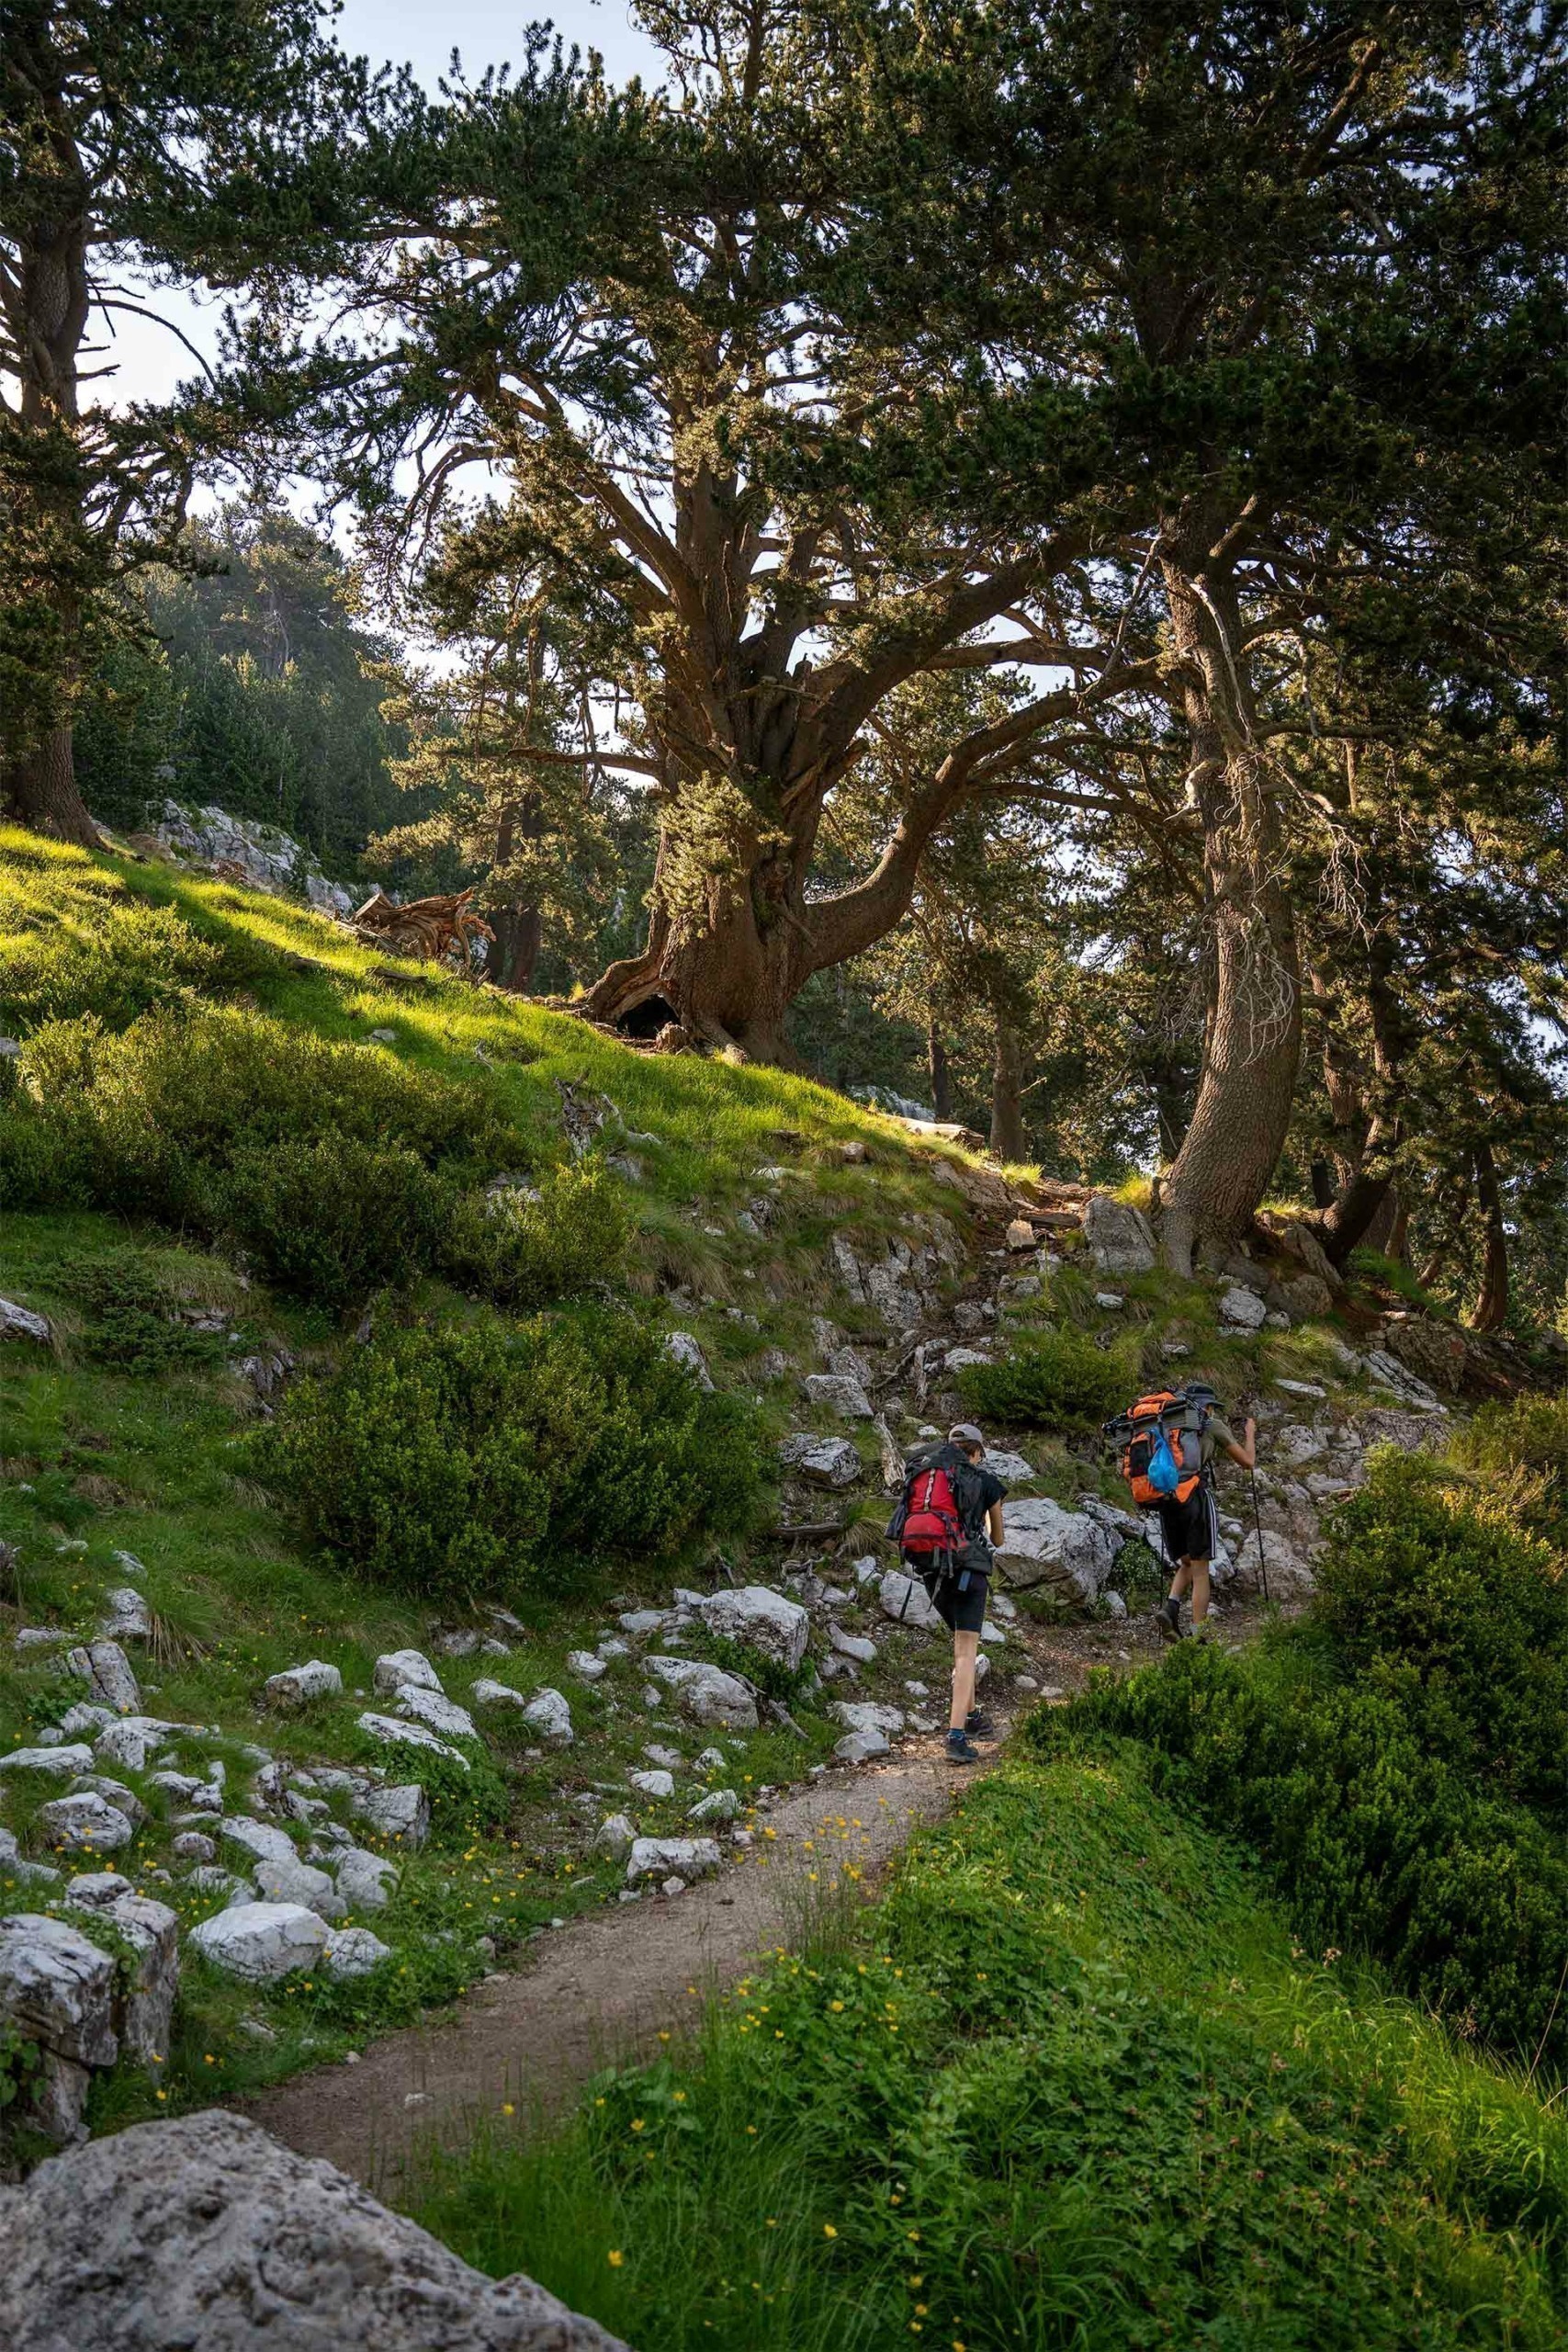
(1245, 1454)
(994, 1525)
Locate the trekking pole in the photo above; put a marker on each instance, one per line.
(1262, 1557)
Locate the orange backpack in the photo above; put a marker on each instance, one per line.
(1160, 1439)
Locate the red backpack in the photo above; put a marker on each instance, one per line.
(926, 1522)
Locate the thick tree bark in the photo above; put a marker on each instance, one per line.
(1492, 1306)
(1008, 1140)
(1252, 1043)
(40, 792)
(518, 927)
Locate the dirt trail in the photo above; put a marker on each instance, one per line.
(603, 1987)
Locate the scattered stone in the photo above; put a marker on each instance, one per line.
(860, 1746)
(393, 1733)
(688, 1857)
(435, 1712)
(1307, 1297)
(830, 1391)
(1119, 1236)
(56, 1994)
(86, 1824)
(719, 1805)
(261, 1941)
(1011, 1468)
(640, 1622)
(40, 1638)
(1111, 1300)
(126, 1617)
(1021, 1233)
(146, 1987)
(763, 1619)
(670, 1757)
(867, 1714)
(711, 1697)
(822, 1461)
(854, 1645)
(615, 1836)
(659, 1785)
(191, 1846)
(1115, 1605)
(686, 1350)
(1242, 1310)
(1301, 1388)
(298, 1882)
(582, 1663)
(57, 1763)
(113, 1793)
(297, 1684)
(402, 1813)
(549, 1717)
(711, 1760)
(259, 1840)
(1068, 1551)
(22, 1323)
(399, 1668)
(105, 1669)
(353, 1951)
(1389, 1373)
(907, 1601)
(84, 1716)
(129, 1741)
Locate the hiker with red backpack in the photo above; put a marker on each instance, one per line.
(1168, 1441)
(948, 1521)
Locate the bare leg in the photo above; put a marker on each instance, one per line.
(965, 1650)
(1199, 1572)
(1182, 1580)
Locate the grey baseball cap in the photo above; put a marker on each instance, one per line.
(965, 1433)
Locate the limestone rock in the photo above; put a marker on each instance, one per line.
(397, 1668)
(719, 1805)
(391, 1732)
(85, 1824)
(1068, 1551)
(206, 2234)
(1243, 1309)
(126, 1617)
(60, 1763)
(584, 1664)
(56, 1993)
(191, 1846)
(689, 1858)
(907, 1601)
(861, 1747)
(1415, 1432)
(131, 1741)
(295, 1882)
(659, 1786)
(22, 1323)
(548, 1716)
(831, 1392)
(1389, 1371)
(114, 1793)
(105, 1669)
(686, 1350)
(762, 1618)
(1307, 1297)
(261, 1941)
(854, 1645)
(435, 1712)
(297, 1684)
(1119, 1236)
(258, 1839)
(717, 1700)
(353, 1951)
(402, 1813)
(615, 1836)
(365, 1882)
(822, 1461)
(1020, 1234)
(1011, 1468)
(147, 1987)
(868, 1715)
(962, 1359)
(1432, 1350)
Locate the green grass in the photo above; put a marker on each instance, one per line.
(1069, 2085)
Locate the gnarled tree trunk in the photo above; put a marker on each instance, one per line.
(41, 792)
(1008, 1140)
(1492, 1306)
(1252, 1041)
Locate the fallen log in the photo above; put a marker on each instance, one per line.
(437, 930)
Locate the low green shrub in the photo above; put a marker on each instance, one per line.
(1052, 1379)
(133, 1319)
(529, 1251)
(459, 1459)
(332, 1218)
(1396, 1757)
(132, 957)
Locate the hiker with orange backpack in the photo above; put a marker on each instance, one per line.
(948, 1521)
(1168, 1441)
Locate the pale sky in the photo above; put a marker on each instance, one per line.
(149, 362)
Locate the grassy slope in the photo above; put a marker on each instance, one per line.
(91, 1461)
(1069, 2084)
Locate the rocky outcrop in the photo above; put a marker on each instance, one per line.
(1065, 1551)
(764, 1620)
(205, 2232)
(262, 854)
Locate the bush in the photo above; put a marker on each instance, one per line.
(472, 1458)
(530, 1251)
(332, 1219)
(1051, 1379)
(133, 1319)
(1396, 1755)
(135, 956)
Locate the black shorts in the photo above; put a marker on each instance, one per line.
(1191, 1530)
(961, 1613)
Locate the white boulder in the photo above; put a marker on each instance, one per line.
(126, 1617)
(615, 1836)
(298, 1882)
(353, 1951)
(854, 1645)
(1242, 1310)
(1011, 1468)
(907, 1601)
(832, 1392)
(867, 1714)
(717, 1700)
(297, 1684)
(261, 1840)
(261, 1941)
(365, 1882)
(585, 1664)
(688, 1857)
(394, 1668)
(391, 1732)
(22, 1323)
(686, 1350)
(821, 1461)
(85, 1824)
(56, 1998)
(1067, 1550)
(860, 1746)
(1119, 1236)
(435, 1712)
(105, 1669)
(719, 1805)
(60, 1763)
(402, 1812)
(656, 1785)
(548, 1716)
(764, 1620)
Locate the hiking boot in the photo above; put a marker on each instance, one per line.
(1168, 1621)
(978, 1724)
(960, 1749)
